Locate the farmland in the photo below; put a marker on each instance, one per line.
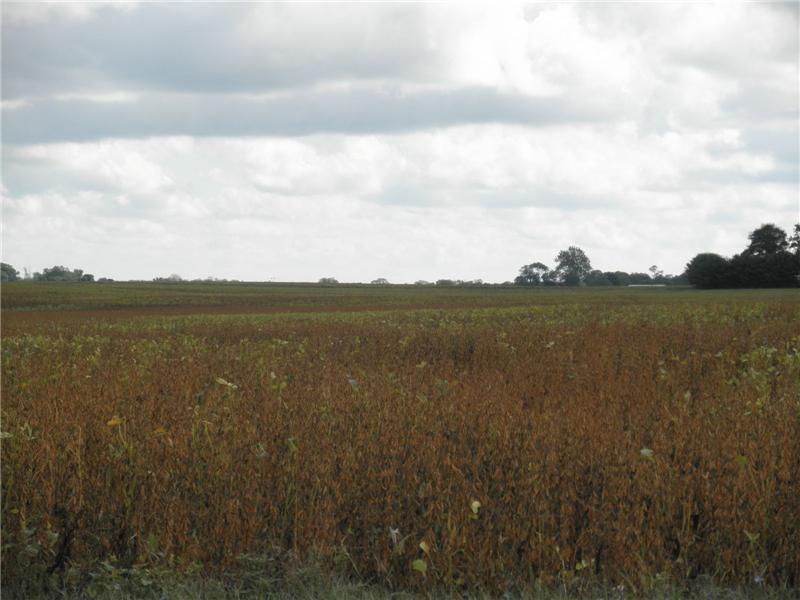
(419, 438)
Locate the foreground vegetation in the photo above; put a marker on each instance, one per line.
(461, 441)
(262, 578)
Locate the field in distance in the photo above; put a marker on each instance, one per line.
(419, 438)
(264, 297)
(228, 298)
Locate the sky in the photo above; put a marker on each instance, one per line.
(406, 141)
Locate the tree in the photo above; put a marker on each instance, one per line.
(60, 273)
(794, 241)
(552, 277)
(639, 279)
(8, 273)
(769, 261)
(708, 270)
(573, 265)
(620, 278)
(771, 271)
(656, 273)
(676, 279)
(532, 274)
(781, 269)
(56, 273)
(597, 278)
(380, 281)
(174, 278)
(328, 281)
(767, 239)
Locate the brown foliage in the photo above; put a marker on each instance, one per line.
(556, 442)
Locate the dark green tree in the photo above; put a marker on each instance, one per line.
(8, 273)
(597, 278)
(794, 240)
(767, 239)
(618, 277)
(781, 269)
(771, 260)
(573, 265)
(708, 270)
(61, 273)
(639, 279)
(56, 273)
(532, 274)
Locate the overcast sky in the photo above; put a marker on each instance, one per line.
(406, 141)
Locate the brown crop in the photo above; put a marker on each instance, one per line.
(620, 441)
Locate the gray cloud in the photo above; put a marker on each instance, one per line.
(208, 47)
(372, 110)
(387, 68)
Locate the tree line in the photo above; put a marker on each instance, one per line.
(574, 268)
(56, 273)
(771, 259)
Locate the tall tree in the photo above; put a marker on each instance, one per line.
(656, 273)
(573, 264)
(767, 239)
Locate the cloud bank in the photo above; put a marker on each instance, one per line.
(292, 142)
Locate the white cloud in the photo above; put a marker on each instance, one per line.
(100, 98)
(471, 202)
(9, 105)
(117, 164)
(407, 142)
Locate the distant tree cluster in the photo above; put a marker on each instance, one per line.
(174, 278)
(60, 273)
(573, 268)
(419, 282)
(56, 273)
(621, 278)
(457, 282)
(771, 259)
